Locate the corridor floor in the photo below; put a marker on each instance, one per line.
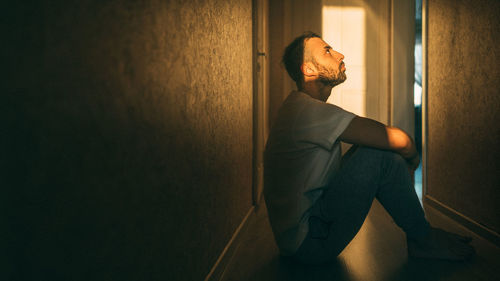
(378, 252)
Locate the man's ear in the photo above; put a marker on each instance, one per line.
(308, 69)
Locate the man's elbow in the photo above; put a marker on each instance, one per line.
(399, 141)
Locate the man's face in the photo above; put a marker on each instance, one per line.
(328, 63)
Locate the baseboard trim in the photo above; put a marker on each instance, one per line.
(224, 259)
(469, 223)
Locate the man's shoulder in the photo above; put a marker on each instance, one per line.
(301, 99)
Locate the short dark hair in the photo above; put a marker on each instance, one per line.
(293, 58)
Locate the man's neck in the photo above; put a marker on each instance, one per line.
(316, 90)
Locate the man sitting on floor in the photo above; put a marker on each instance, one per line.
(318, 200)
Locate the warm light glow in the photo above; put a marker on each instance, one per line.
(344, 30)
(357, 255)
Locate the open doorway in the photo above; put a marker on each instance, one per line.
(417, 94)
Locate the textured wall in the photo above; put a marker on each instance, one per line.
(128, 141)
(463, 107)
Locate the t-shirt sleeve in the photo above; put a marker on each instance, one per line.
(321, 124)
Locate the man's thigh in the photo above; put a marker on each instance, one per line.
(354, 186)
(340, 212)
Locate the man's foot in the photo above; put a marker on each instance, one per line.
(441, 244)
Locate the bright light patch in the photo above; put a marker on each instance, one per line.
(344, 30)
(417, 95)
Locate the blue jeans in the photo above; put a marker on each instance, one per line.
(338, 214)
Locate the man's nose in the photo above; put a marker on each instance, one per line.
(341, 56)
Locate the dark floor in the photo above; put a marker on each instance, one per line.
(378, 252)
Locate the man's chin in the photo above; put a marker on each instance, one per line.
(333, 80)
(337, 82)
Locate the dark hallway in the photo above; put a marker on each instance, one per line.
(132, 135)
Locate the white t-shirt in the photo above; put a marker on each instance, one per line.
(302, 153)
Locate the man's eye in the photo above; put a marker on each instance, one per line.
(327, 51)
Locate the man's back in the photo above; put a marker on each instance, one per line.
(302, 154)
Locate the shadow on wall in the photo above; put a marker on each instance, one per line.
(129, 139)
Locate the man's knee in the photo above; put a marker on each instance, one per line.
(397, 158)
(384, 155)
(371, 152)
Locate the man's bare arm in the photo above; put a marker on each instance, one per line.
(371, 133)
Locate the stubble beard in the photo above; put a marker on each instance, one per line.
(329, 76)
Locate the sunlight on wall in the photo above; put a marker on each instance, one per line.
(344, 30)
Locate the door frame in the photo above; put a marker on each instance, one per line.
(260, 57)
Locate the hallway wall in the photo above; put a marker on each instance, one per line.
(463, 104)
(126, 137)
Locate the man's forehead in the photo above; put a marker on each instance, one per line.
(315, 44)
